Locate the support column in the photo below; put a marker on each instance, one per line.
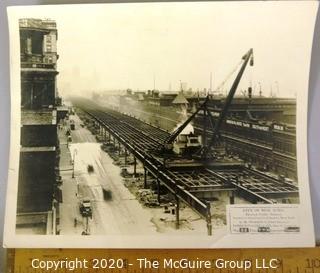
(105, 135)
(231, 198)
(158, 188)
(208, 219)
(177, 212)
(125, 156)
(134, 166)
(119, 148)
(145, 178)
(87, 226)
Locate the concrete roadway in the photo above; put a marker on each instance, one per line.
(123, 214)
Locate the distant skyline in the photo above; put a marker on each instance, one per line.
(137, 46)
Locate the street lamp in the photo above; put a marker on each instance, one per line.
(73, 161)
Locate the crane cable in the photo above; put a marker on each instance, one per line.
(221, 85)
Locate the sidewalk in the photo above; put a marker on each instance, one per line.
(69, 208)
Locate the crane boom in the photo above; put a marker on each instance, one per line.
(248, 56)
(167, 145)
(175, 134)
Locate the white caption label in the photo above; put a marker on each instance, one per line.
(263, 219)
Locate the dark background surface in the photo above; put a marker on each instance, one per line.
(313, 120)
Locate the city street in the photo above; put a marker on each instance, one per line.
(123, 214)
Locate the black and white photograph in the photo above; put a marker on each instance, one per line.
(160, 125)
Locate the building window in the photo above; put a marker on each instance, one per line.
(36, 42)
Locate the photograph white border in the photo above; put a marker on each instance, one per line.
(303, 239)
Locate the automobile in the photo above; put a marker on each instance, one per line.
(85, 208)
(90, 168)
(107, 193)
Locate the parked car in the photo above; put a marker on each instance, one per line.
(107, 194)
(90, 168)
(85, 208)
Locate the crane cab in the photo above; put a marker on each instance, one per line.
(187, 144)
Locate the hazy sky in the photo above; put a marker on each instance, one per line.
(119, 46)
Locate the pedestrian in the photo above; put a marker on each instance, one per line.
(75, 222)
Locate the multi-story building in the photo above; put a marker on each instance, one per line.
(36, 209)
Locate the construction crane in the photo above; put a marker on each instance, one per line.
(217, 126)
(204, 151)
